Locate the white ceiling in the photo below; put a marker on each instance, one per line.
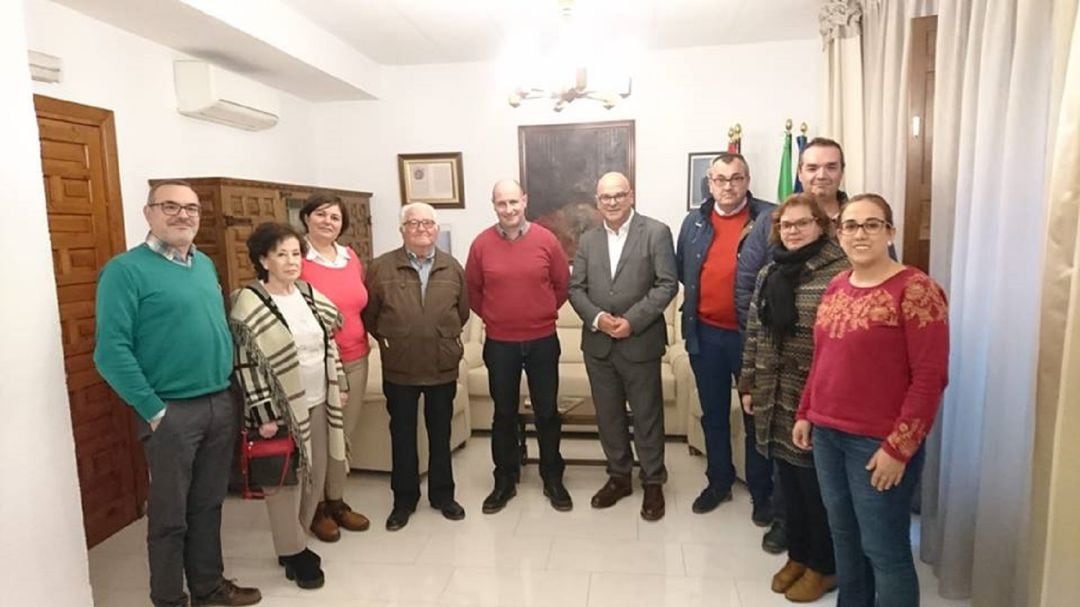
(401, 32)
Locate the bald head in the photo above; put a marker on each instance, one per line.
(614, 199)
(509, 201)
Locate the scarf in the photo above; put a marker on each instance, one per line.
(776, 301)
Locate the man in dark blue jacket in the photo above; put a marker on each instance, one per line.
(710, 243)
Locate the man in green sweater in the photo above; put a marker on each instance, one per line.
(163, 344)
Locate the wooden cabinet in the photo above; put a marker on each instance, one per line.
(231, 208)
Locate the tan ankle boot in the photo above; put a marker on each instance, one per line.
(323, 526)
(787, 575)
(810, 587)
(344, 516)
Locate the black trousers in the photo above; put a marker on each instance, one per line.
(189, 457)
(539, 359)
(809, 540)
(402, 402)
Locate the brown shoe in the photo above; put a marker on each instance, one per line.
(323, 526)
(344, 516)
(810, 587)
(788, 574)
(229, 594)
(616, 488)
(652, 505)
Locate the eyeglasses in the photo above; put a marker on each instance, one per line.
(870, 226)
(797, 226)
(171, 208)
(616, 197)
(416, 224)
(735, 180)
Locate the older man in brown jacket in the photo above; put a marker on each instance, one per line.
(417, 306)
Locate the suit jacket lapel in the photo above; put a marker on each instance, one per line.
(631, 240)
(605, 257)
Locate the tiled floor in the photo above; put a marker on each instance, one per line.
(526, 555)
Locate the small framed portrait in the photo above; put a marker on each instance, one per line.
(437, 179)
(697, 187)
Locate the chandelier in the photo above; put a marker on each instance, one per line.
(574, 67)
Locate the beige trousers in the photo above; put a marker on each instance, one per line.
(357, 373)
(291, 510)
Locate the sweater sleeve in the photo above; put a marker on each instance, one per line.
(560, 272)
(117, 308)
(924, 313)
(474, 276)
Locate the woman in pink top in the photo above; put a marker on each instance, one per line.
(336, 272)
(881, 351)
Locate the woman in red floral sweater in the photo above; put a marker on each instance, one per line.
(881, 351)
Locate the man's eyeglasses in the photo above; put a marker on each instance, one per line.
(796, 226)
(171, 208)
(416, 224)
(870, 226)
(616, 197)
(721, 181)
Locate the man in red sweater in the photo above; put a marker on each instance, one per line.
(517, 276)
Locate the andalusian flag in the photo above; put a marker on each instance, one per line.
(784, 186)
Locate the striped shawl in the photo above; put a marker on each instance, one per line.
(268, 368)
(775, 379)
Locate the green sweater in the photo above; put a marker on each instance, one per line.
(161, 329)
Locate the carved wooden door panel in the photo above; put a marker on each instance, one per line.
(79, 162)
(242, 209)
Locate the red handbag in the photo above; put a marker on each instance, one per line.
(260, 459)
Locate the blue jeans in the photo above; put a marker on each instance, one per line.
(718, 361)
(871, 529)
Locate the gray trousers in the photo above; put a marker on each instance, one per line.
(614, 381)
(189, 456)
(291, 509)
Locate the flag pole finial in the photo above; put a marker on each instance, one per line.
(787, 125)
(803, 128)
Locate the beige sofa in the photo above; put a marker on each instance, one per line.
(369, 446)
(676, 376)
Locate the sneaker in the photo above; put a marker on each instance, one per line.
(775, 540)
(709, 499)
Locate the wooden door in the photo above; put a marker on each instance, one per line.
(920, 142)
(242, 209)
(85, 214)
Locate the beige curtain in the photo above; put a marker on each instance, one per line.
(1055, 541)
(842, 85)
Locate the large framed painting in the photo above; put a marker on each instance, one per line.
(560, 165)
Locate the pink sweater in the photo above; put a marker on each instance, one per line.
(881, 358)
(345, 288)
(517, 286)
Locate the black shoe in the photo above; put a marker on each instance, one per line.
(709, 499)
(304, 568)
(450, 510)
(775, 540)
(559, 497)
(399, 517)
(498, 498)
(763, 513)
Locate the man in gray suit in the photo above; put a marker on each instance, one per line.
(623, 278)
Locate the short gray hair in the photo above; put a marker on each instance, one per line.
(417, 206)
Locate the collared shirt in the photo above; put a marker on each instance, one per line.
(340, 262)
(422, 265)
(616, 241)
(735, 211)
(521, 231)
(170, 252)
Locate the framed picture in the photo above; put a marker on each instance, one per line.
(697, 187)
(560, 165)
(436, 179)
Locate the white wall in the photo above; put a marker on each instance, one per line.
(110, 68)
(43, 553)
(684, 101)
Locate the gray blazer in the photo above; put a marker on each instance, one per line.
(645, 282)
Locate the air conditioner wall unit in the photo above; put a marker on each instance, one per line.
(210, 93)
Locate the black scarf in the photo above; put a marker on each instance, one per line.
(776, 301)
